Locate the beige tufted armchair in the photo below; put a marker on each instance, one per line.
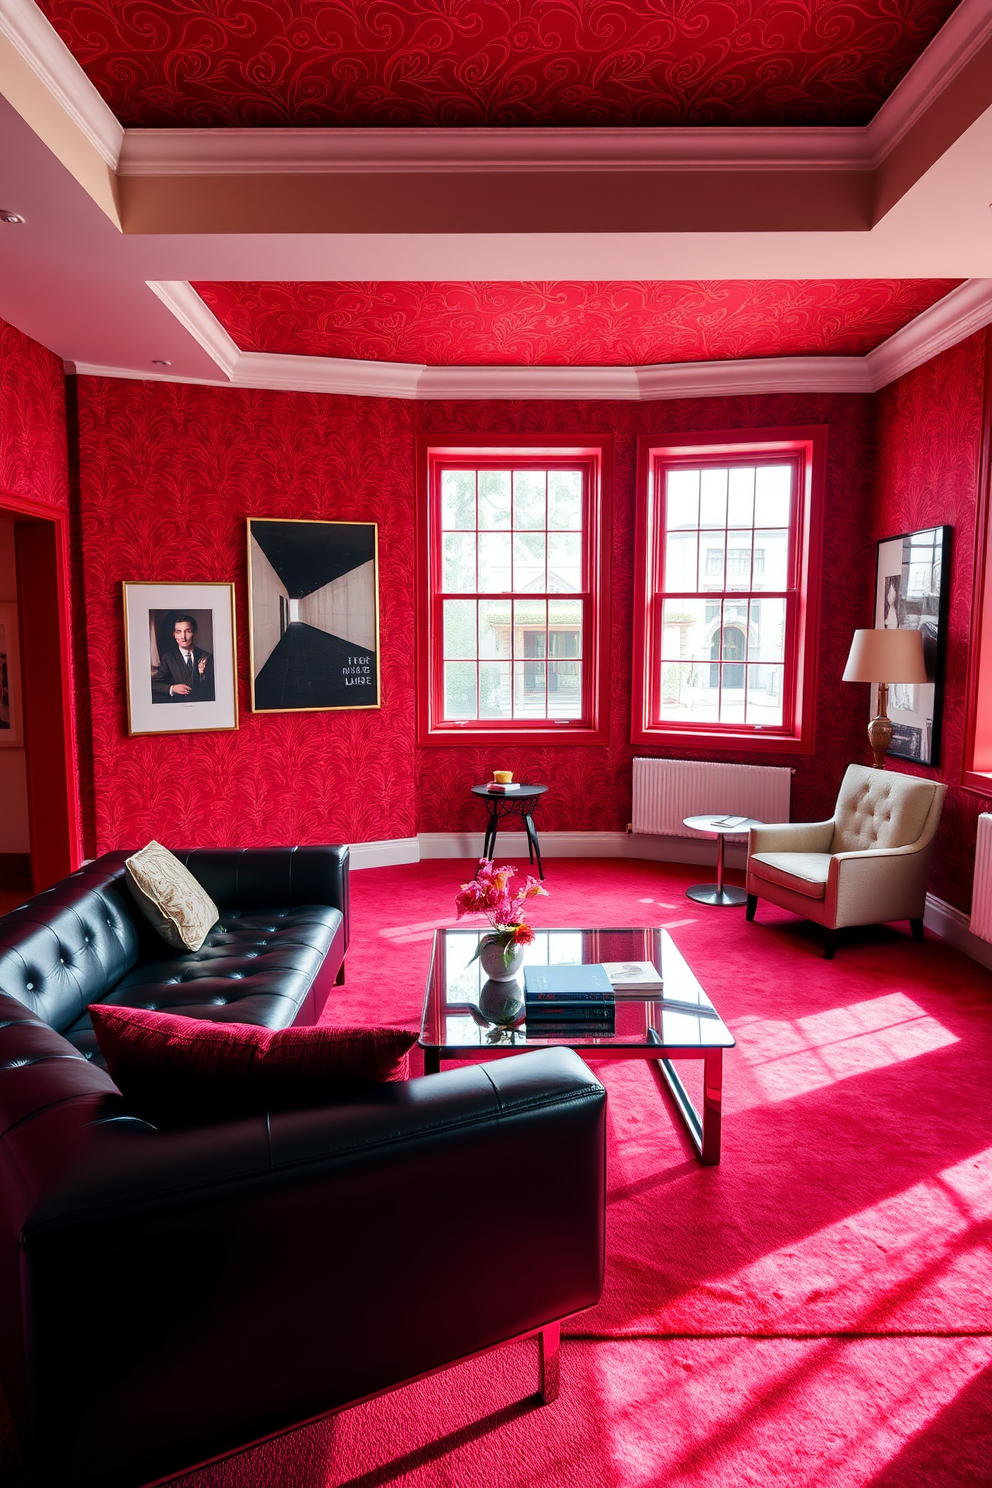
(869, 863)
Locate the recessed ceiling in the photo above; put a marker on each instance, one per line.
(568, 323)
(457, 63)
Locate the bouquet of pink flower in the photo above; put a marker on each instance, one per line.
(489, 893)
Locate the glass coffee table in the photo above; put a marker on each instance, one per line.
(466, 1016)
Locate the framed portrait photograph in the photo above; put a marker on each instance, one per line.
(180, 658)
(912, 592)
(11, 724)
(313, 600)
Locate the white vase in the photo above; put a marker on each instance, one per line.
(493, 964)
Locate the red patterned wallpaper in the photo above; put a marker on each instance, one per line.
(441, 63)
(168, 476)
(33, 459)
(929, 429)
(568, 323)
(591, 787)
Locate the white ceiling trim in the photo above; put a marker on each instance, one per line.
(965, 310)
(39, 44)
(966, 30)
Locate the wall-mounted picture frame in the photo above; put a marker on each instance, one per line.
(180, 658)
(11, 716)
(313, 602)
(912, 592)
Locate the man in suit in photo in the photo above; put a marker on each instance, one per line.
(185, 674)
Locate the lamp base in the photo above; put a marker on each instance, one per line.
(880, 737)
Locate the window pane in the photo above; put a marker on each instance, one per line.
(732, 695)
(772, 496)
(459, 689)
(530, 689)
(771, 559)
(495, 569)
(713, 498)
(529, 505)
(494, 628)
(739, 560)
(564, 562)
(564, 689)
(682, 504)
(740, 496)
(685, 628)
(494, 689)
(680, 560)
(494, 499)
(711, 560)
(457, 499)
(529, 570)
(764, 695)
(565, 499)
(565, 627)
(767, 629)
(684, 694)
(459, 563)
(459, 627)
(530, 627)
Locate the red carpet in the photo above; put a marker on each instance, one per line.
(812, 1312)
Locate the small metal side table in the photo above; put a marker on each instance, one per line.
(520, 802)
(719, 893)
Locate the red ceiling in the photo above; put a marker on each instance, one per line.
(565, 323)
(216, 63)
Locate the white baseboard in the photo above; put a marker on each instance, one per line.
(952, 925)
(553, 845)
(385, 854)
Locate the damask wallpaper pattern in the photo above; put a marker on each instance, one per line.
(444, 63)
(569, 322)
(929, 431)
(33, 449)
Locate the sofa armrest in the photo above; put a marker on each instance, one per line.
(806, 837)
(250, 878)
(246, 1277)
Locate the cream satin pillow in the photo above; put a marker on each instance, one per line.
(180, 909)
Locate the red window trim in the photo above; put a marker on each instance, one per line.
(597, 454)
(809, 444)
(978, 702)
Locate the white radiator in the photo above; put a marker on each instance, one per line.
(666, 790)
(981, 897)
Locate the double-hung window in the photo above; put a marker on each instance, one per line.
(513, 580)
(726, 588)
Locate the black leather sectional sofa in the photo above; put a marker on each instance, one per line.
(170, 1296)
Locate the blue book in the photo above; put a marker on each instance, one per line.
(586, 982)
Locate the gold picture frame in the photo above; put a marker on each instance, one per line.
(313, 615)
(180, 658)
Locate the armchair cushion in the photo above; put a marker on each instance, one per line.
(879, 808)
(802, 872)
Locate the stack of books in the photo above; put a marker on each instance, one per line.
(634, 977)
(569, 1002)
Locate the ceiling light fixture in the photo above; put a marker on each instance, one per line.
(11, 217)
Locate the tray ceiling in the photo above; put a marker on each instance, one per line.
(457, 63)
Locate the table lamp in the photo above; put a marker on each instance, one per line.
(884, 656)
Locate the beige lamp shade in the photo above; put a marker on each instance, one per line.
(886, 656)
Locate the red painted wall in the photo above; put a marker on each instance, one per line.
(168, 475)
(33, 460)
(929, 431)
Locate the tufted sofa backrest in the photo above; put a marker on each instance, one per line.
(68, 946)
(880, 808)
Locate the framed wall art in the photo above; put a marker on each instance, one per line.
(912, 592)
(11, 726)
(313, 600)
(180, 658)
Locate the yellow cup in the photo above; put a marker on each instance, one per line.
(502, 777)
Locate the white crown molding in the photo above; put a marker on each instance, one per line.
(196, 152)
(965, 310)
(965, 31)
(44, 51)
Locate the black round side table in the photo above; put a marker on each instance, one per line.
(519, 802)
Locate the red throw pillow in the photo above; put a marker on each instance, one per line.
(182, 1071)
